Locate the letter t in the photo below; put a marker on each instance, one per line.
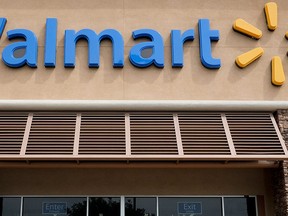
(205, 37)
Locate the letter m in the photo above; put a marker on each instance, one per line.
(93, 40)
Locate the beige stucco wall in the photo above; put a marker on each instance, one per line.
(137, 182)
(192, 82)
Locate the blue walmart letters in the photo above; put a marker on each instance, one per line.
(30, 44)
(205, 37)
(177, 41)
(156, 45)
(93, 40)
(51, 42)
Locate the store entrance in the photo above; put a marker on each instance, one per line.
(129, 206)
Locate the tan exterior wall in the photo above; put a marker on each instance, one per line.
(138, 182)
(192, 82)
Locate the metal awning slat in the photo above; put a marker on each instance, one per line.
(140, 136)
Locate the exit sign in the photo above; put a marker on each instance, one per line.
(189, 208)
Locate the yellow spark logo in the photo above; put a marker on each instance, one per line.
(243, 60)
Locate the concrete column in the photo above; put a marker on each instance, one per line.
(280, 178)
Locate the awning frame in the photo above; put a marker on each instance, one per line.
(128, 156)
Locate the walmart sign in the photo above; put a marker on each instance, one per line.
(30, 44)
(155, 43)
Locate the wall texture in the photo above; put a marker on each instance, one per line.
(192, 82)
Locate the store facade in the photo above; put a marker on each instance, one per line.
(162, 108)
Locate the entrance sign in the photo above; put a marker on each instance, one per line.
(54, 208)
(189, 208)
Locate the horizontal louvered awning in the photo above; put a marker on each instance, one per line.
(150, 136)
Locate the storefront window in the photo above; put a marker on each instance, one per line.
(140, 206)
(134, 206)
(55, 206)
(240, 206)
(104, 206)
(190, 206)
(10, 206)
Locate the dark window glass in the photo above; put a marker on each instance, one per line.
(240, 206)
(190, 206)
(55, 206)
(10, 206)
(140, 206)
(104, 206)
(146, 53)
